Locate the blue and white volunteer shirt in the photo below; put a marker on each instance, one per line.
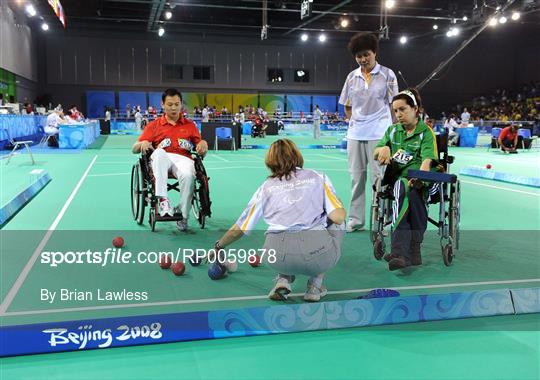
(369, 96)
(301, 203)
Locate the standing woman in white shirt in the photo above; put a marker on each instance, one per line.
(366, 95)
(305, 221)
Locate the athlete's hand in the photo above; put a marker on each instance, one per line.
(383, 156)
(146, 146)
(202, 148)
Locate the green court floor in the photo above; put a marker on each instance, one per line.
(87, 203)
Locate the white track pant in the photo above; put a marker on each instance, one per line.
(182, 168)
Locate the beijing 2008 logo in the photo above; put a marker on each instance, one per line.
(86, 334)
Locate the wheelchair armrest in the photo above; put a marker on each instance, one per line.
(432, 176)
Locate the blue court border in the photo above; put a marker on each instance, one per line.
(178, 327)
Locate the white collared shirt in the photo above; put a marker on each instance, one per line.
(370, 102)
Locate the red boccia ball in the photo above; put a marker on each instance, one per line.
(254, 261)
(488, 166)
(165, 262)
(118, 242)
(178, 268)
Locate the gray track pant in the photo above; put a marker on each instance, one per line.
(360, 154)
(310, 253)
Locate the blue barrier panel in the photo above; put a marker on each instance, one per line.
(154, 100)
(298, 103)
(467, 136)
(327, 103)
(96, 101)
(526, 300)
(500, 176)
(17, 126)
(103, 333)
(18, 202)
(78, 136)
(133, 99)
(151, 329)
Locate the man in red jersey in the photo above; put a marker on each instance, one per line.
(508, 139)
(172, 137)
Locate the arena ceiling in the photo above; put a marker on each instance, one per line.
(414, 18)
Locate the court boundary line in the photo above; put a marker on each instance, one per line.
(10, 296)
(249, 298)
(501, 188)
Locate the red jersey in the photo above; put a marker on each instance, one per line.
(506, 133)
(179, 138)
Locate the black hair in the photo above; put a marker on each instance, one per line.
(363, 41)
(170, 92)
(408, 99)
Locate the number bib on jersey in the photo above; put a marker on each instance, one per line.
(402, 157)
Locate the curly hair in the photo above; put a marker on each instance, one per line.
(363, 41)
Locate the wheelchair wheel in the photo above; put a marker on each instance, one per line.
(454, 213)
(378, 249)
(374, 212)
(152, 219)
(448, 254)
(197, 210)
(138, 194)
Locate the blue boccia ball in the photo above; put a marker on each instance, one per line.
(216, 271)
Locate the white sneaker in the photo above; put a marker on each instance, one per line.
(182, 225)
(314, 294)
(165, 207)
(280, 290)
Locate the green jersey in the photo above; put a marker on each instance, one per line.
(410, 150)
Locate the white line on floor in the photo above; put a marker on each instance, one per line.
(221, 158)
(26, 270)
(331, 157)
(107, 175)
(261, 297)
(501, 188)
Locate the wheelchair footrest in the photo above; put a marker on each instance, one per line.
(432, 176)
(168, 218)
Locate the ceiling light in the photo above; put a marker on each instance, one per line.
(456, 31)
(31, 10)
(161, 31)
(465, 18)
(344, 23)
(516, 16)
(390, 4)
(503, 20)
(304, 37)
(168, 14)
(435, 27)
(322, 37)
(403, 40)
(44, 26)
(449, 33)
(492, 21)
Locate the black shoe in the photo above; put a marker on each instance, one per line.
(389, 256)
(399, 262)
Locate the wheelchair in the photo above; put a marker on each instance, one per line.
(444, 189)
(143, 193)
